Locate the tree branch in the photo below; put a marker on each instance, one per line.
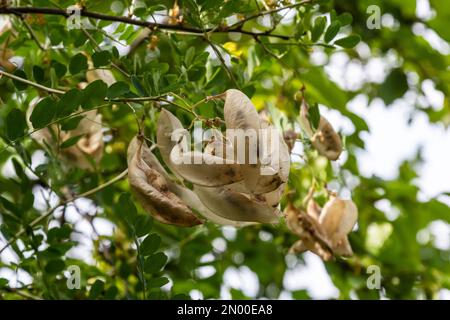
(62, 203)
(141, 23)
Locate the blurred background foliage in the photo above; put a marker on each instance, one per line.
(177, 262)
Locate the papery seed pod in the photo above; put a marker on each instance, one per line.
(235, 206)
(90, 145)
(338, 216)
(151, 188)
(324, 139)
(194, 166)
(6, 54)
(309, 231)
(337, 219)
(99, 74)
(185, 194)
(240, 114)
(87, 152)
(274, 171)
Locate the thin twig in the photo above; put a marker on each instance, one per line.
(97, 48)
(62, 203)
(264, 13)
(31, 83)
(32, 34)
(222, 61)
(180, 28)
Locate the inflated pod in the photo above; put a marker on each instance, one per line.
(236, 206)
(87, 152)
(197, 167)
(152, 190)
(323, 138)
(185, 194)
(337, 219)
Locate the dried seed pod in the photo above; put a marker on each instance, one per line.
(87, 152)
(337, 219)
(5, 53)
(275, 157)
(99, 74)
(239, 111)
(151, 188)
(90, 145)
(324, 139)
(197, 167)
(309, 231)
(235, 206)
(241, 117)
(185, 194)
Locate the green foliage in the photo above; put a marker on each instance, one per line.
(175, 67)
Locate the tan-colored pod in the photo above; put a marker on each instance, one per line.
(239, 112)
(5, 52)
(197, 167)
(99, 74)
(185, 194)
(309, 231)
(324, 139)
(236, 206)
(151, 188)
(337, 219)
(87, 152)
(90, 144)
(276, 172)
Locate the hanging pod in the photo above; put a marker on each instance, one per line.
(195, 166)
(311, 235)
(337, 219)
(186, 195)
(236, 206)
(87, 152)
(324, 139)
(246, 131)
(151, 188)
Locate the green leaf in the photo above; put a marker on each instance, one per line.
(189, 58)
(318, 28)
(55, 266)
(314, 116)
(94, 94)
(78, 63)
(394, 87)
(157, 282)
(60, 69)
(16, 124)
(345, 18)
(69, 102)
(43, 113)
(96, 289)
(111, 293)
(143, 225)
(101, 58)
(38, 74)
(150, 244)
(137, 84)
(70, 142)
(348, 42)
(19, 84)
(117, 89)
(332, 31)
(155, 262)
(127, 208)
(71, 124)
(3, 283)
